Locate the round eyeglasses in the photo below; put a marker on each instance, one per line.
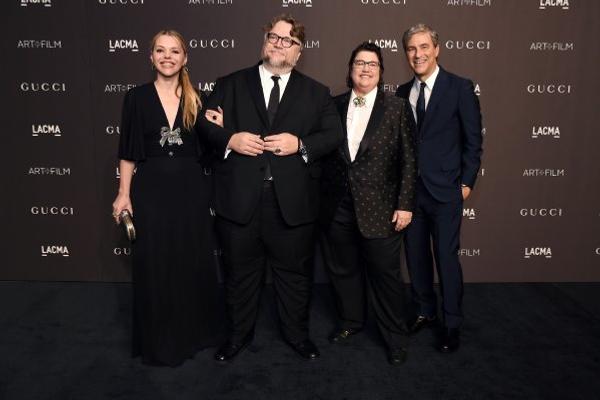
(286, 42)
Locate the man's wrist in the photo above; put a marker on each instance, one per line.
(302, 149)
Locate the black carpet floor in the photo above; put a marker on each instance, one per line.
(520, 341)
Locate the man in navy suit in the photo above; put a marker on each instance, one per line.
(448, 140)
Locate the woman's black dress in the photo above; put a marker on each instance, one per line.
(177, 308)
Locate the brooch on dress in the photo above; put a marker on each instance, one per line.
(359, 101)
(170, 136)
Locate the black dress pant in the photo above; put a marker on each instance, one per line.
(436, 226)
(248, 249)
(359, 266)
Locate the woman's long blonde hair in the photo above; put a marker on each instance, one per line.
(190, 99)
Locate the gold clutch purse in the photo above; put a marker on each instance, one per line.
(126, 220)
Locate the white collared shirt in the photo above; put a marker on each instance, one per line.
(357, 120)
(414, 90)
(267, 83)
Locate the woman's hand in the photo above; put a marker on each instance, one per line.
(401, 219)
(122, 202)
(216, 117)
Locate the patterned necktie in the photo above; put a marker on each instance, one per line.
(421, 107)
(359, 101)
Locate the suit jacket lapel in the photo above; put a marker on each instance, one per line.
(404, 90)
(439, 88)
(404, 93)
(374, 121)
(288, 99)
(256, 91)
(342, 107)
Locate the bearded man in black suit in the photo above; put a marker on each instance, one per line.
(277, 125)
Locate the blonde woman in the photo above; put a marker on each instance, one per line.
(176, 297)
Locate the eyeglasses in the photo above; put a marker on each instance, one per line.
(363, 63)
(286, 42)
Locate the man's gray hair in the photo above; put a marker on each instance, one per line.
(419, 28)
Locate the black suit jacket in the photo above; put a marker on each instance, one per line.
(382, 176)
(449, 144)
(306, 110)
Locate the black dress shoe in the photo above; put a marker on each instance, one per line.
(342, 335)
(449, 340)
(305, 349)
(230, 350)
(422, 322)
(396, 356)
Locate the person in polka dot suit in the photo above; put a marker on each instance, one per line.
(367, 191)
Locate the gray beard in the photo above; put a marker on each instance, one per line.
(282, 67)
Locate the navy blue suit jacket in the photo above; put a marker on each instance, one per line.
(449, 143)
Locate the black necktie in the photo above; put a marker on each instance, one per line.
(421, 107)
(271, 112)
(273, 99)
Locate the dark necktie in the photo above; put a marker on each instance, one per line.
(271, 112)
(421, 107)
(273, 99)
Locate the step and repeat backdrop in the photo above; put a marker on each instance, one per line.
(67, 64)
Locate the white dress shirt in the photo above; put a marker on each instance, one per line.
(267, 85)
(414, 90)
(357, 120)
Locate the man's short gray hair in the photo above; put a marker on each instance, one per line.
(419, 28)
